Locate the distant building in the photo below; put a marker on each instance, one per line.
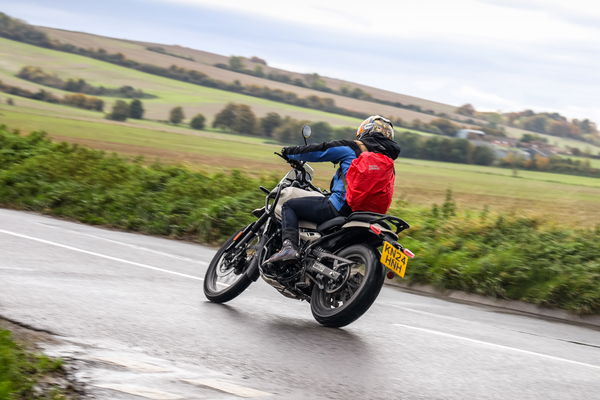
(469, 134)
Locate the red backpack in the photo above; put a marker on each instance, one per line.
(370, 182)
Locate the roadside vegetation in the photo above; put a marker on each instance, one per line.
(23, 374)
(570, 199)
(504, 256)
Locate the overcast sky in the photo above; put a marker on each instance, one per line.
(498, 55)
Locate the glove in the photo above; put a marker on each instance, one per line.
(285, 150)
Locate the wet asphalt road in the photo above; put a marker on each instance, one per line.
(130, 308)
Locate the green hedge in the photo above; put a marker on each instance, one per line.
(504, 256)
(97, 188)
(495, 255)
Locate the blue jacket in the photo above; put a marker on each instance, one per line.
(341, 152)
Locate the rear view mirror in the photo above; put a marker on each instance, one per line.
(306, 131)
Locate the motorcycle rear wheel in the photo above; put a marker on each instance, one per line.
(356, 296)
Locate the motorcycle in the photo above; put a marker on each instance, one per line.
(340, 271)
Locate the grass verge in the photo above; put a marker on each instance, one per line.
(22, 373)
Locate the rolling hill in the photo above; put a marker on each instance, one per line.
(205, 62)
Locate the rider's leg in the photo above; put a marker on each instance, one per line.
(314, 209)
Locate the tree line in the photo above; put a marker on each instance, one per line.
(122, 110)
(38, 75)
(75, 100)
(239, 118)
(553, 124)
(316, 82)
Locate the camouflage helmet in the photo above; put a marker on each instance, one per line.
(376, 123)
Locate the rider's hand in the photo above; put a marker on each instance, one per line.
(285, 150)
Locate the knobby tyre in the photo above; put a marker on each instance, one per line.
(224, 279)
(356, 296)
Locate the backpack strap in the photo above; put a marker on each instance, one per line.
(361, 146)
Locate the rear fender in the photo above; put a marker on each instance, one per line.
(348, 236)
(366, 225)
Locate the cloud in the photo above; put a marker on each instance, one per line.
(466, 19)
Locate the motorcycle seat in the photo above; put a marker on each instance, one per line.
(332, 223)
(364, 216)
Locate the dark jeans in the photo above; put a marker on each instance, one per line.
(314, 209)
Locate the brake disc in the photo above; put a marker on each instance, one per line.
(333, 286)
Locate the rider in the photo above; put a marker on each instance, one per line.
(375, 134)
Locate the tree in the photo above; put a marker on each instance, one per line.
(531, 138)
(289, 130)
(120, 111)
(541, 162)
(321, 132)
(445, 126)
(136, 109)
(198, 122)
(559, 128)
(258, 60)
(587, 126)
(269, 123)
(258, 71)
(245, 120)
(176, 115)
(466, 109)
(226, 117)
(236, 63)
(536, 123)
(314, 81)
(483, 155)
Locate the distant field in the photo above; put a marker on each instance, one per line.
(193, 98)
(569, 199)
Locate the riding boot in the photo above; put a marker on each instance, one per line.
(288, 252)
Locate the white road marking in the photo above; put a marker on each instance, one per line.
(461, 320)
(92, 253)
(140, 391)
(227, 387)
(134, 246)
(499, 346)
(16, 269)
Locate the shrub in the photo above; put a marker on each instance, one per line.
(176, 115)
(120, 111)
(198, 122)
(136, 109)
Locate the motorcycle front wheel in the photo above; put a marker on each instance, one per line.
(340, 307)
(225, 278)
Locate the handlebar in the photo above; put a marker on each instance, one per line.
(294, 163)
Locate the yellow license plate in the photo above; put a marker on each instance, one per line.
(394, 259)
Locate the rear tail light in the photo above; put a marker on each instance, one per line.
(375, 230)
(408, 253)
